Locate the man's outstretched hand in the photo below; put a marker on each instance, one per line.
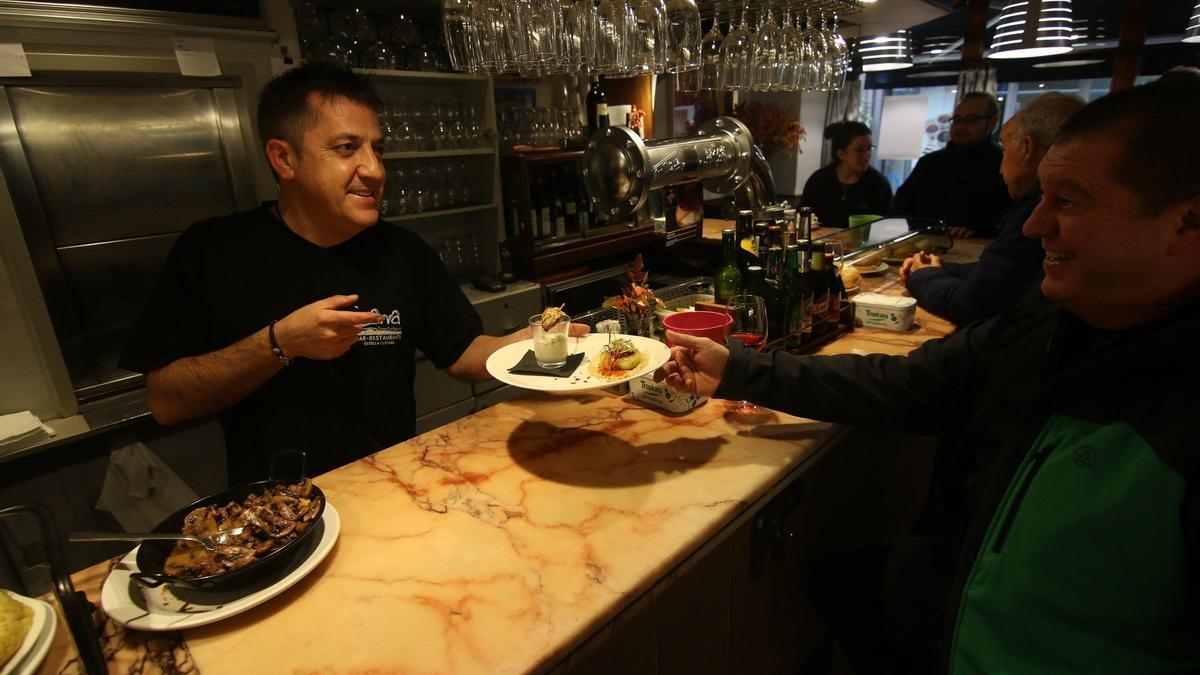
(696, 364)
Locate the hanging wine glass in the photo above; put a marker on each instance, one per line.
(710, 53)
(811, 52)
(577, 45)
(766, 51)
(786, 76)
(683, 36)
(736, 54)
(840, 53)
(649, 37)
(613, 24)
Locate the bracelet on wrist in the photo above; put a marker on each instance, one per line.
(275, 348)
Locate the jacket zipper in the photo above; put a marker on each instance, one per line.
(1039, 458)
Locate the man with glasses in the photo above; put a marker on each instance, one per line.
(966, 292)
(960, 184)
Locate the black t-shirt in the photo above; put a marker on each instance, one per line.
(833, 203)
(228, 277)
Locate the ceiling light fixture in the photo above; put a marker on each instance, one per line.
(1071, 63)
(886, 52)
(1031, 28)
(1193, 29)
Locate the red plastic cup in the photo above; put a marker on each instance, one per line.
(712, 325)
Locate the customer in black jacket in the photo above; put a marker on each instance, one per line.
(969, 291)
(847, 185)
(1079, 547)
(959, 183)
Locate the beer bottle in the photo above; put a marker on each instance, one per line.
(761, 246)
(807, 285)
(794, 297)
(837, 291)
(745, 238)
(729, 276)
(755, 281)
(820, 304)
(776, 311)
(804, 230)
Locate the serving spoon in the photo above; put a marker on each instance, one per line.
(210, 542)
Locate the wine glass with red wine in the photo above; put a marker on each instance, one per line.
(749, 314)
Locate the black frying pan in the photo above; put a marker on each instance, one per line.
(152, 555)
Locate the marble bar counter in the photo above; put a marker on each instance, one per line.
(496, 544)
(503, 542)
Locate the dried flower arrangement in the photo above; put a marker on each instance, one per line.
(636, 302)
(772, 125)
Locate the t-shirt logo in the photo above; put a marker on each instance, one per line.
(383, 333)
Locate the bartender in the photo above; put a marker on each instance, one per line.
(299, 321)
(849, 184)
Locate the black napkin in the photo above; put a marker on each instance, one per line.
(528, 366)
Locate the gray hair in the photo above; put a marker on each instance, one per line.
(1042, 117)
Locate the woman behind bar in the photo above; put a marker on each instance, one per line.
(847, 185)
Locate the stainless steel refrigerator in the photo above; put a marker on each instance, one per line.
(104, 172)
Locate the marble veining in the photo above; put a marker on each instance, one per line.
(498, 543)
(494, 544)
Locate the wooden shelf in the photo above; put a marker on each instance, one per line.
(437, 214)
(434, 154)
(421, 75)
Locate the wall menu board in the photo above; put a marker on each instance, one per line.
(236, 8)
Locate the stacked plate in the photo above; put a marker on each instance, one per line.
(33, 650)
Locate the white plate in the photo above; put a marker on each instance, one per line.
(582, 379)
(37, 641)
(163, 608)
(872, 271)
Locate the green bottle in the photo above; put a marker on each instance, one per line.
(807, 285)
(774, 298)
(820, 303)
(729, 277)
(794, 303)
(756, 282)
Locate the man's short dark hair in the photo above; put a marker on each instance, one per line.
(993, 108)
(1156, 125)
(283, 110)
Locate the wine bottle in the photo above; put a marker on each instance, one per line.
(833, 312)
(820, 304)
(728, 277)
(597, 107)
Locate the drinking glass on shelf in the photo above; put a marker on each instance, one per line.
(401, 199)
(749, 314)
(419, 191)
(466, 187)
(437, 186)
(452, 181)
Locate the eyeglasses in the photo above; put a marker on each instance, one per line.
(969, 119)
(865, 150)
